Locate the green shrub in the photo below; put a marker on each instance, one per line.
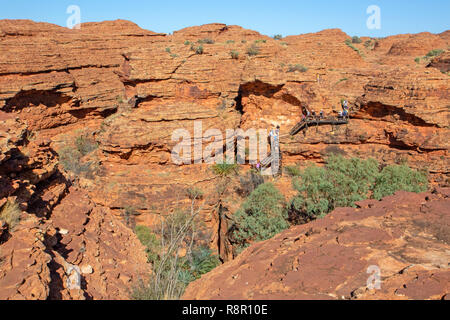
(292, 171)
(342, 182)
(260, 41)
(70, 156)
(194, 193)
(85, 144)
(253, 50)
(199, 50)
(349, 43)
(339, 184)
(224, 169)
(260, 217)
(201, 261)
(435, 53)
(230, 41)
(356, 39)
(119, 99)
(168, 50)
(10, 214)
(206, 41)
(150, 241)
(277, 37)
(417, 60)
(172, 272)
(234, 54)
(187, 42)
(399, 177)
(297, 67)
(70, 160)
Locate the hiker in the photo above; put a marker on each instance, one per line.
(313, 113)
(321, 114)
(345, 114)
(303, 117)
(308, 114)
(272, 134)
(340, 115)
(277, 133)
(258, 166)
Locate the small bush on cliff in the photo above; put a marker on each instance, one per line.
(399, 177)
(85, 144)
(206, 41)
(234, 54)
(277, 37)
(197, 50)
(71, 154)
(253, 50)
(194, 193)
(435, 53)
(297, 67)
(202, 260)
(10, 214)
(260, 217)
(342, 182)
(150, 241)
(339, 184)
(356, 39)
(292, 171)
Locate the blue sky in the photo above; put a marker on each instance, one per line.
(268, 17)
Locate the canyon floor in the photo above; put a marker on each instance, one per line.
(127, 90)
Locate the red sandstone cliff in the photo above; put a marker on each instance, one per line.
(406, 236)
(129, 88)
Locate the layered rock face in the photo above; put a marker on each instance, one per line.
(60, 228)
(397, 248)
(130, 89)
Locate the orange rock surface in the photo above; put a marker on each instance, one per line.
(405, 236)
(129, 89)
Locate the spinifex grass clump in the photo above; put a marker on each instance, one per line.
(224, 169)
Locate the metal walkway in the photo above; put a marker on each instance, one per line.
(316, 122)
(299, 127)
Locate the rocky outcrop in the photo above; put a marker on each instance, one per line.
(128, 89)
(60, 228)
(404, 239)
